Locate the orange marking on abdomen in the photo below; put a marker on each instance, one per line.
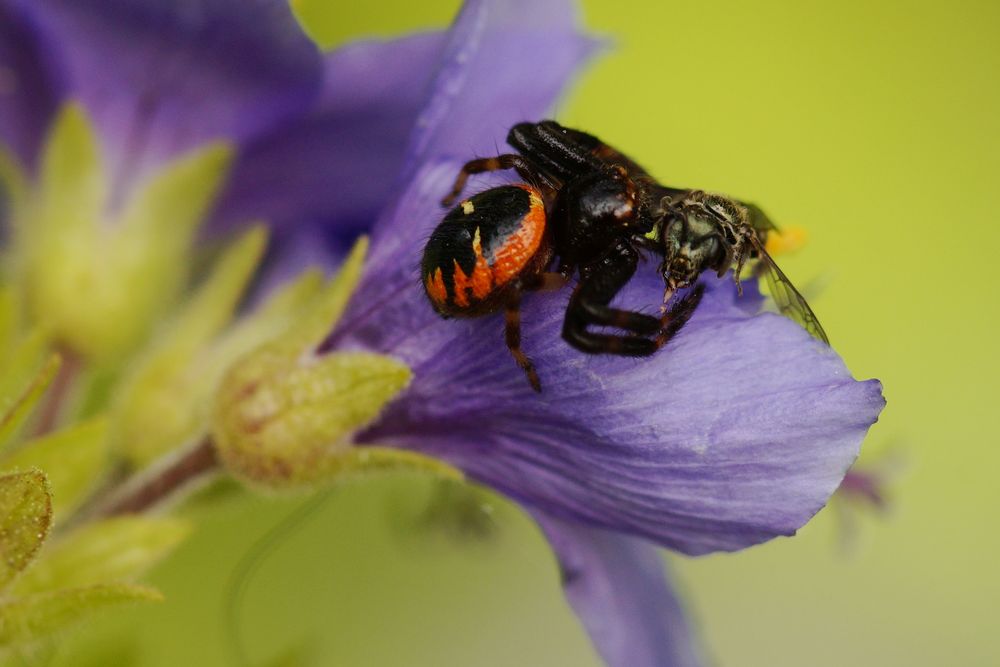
(482, 274)
(510, 258)
(435, 287)
(480, 283)
(460, 282)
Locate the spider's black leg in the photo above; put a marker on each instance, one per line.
(547, 281)
(589, 306)
(524, 168)
(541, 282)
(512, 335)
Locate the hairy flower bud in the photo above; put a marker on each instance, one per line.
(284, 415)
(282, 420)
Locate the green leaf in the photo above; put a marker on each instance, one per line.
(73, 459)
(161, 405)
(35, 617)
(25, 517)
(25, 381)
(119, 549)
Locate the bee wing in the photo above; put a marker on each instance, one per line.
(760, 220)
(790, 303)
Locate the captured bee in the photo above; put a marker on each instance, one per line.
(702, 231)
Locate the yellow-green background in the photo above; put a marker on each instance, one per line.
(872, 124)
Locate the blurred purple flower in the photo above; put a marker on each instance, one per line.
(736, 433)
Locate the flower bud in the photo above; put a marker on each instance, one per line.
(286, 420)
(96, 273)
(284, 415)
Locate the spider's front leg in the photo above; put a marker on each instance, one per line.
(524, 167)
(588, 307)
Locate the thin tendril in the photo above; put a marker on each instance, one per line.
(249, 564)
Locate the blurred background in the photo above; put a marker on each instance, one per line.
(872, 125)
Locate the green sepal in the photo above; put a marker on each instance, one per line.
(119, 549)
(57, 239)
(10, 321)
(156, 231)
(326, 309)
(161, 405)
(13, 185)
(25, 517)
(282, 310)
(102, 280)
(72, 458)
(25, 380)
(367, 460)
(33, 618)
(72, 184)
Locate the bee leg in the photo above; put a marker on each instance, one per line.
(512, 336)
(524, 168)
(674, 319)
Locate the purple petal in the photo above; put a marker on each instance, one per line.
(505, 61)
(500, 63)
(738, 431)
(338, 164)
(29, 87)
(162, 77)
(618, 588)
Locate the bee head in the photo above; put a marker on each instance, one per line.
(699, 231)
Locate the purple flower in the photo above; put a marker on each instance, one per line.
(737, 432)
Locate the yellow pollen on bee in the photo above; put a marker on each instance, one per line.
(469, 209)
(787, 240)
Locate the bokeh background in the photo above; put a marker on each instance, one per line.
(876, 126)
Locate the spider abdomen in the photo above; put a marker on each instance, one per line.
(475, 256)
